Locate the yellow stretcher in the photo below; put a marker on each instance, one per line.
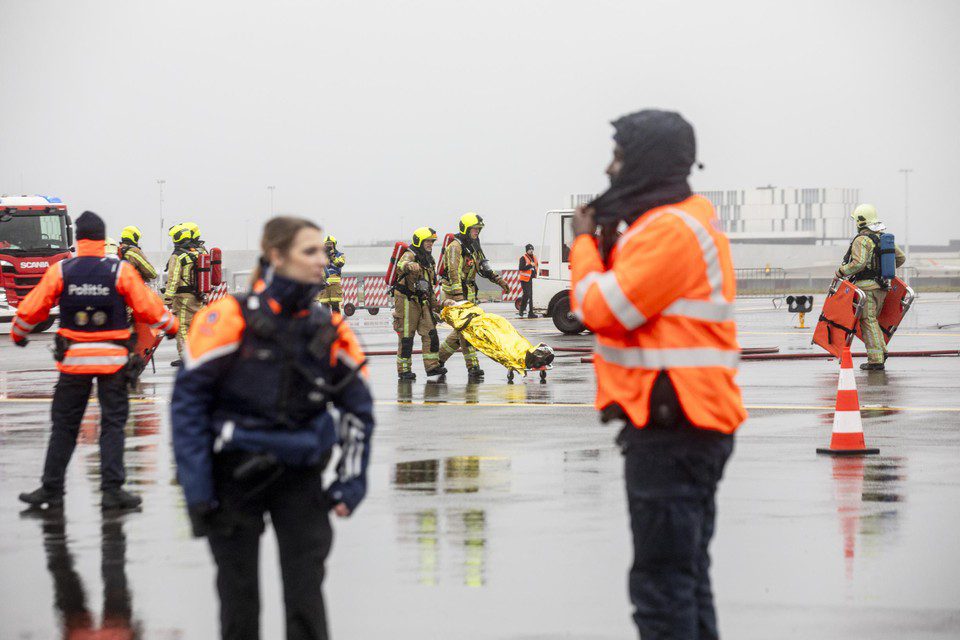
(497, 339)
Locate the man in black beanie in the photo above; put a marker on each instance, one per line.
(91, 344)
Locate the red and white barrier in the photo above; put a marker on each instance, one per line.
(351, 285)
(375, 292)
(217, 292)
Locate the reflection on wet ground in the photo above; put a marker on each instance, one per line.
(76, 619)
(483, 494)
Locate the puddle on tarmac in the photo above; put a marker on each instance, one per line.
(77, 616)
(867, 494)
(448, 543)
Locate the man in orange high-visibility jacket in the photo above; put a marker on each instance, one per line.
(528, 268)
(92, 343)
(659, 298)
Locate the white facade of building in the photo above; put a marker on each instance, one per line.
(786, 214)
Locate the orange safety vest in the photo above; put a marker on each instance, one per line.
(663, 302)
(93, 352)
(527, 275)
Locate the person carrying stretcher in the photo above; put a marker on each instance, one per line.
(862, 266)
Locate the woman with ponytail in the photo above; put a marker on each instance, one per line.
(252, 433)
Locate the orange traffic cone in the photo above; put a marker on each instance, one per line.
(847, 437)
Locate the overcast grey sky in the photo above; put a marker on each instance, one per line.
(371, 114)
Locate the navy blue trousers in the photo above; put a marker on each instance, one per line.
(672, 470)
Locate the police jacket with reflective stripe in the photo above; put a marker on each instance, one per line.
(94, 348)
(663, 301)
(253, 366)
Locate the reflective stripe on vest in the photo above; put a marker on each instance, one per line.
(527, 275)
(21, 328)
(641, 358)
(716, 309)
(165, 323)
(620, 305)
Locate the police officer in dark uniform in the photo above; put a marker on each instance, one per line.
(93, 343)
(252, 431)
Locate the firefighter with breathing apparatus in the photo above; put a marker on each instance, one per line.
(182, 294)
(415, 308)
(462, 261)
(863, 266)
(332, 294)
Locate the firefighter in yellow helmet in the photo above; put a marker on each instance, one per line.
(182, 294)
(463, 261)
(861, 266)
(195, 240)
(415, 306)
(131, 252)
(332, 294)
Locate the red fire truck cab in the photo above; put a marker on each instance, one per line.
(35, 232)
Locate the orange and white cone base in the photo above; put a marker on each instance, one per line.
(847, 439)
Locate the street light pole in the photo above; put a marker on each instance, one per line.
(906, 210)
(271, 189)
(163, 229)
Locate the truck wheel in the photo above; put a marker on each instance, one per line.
(565, 321)
(349, 309)
(374, 310)
(43, 326)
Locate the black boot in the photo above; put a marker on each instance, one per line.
(474, 374)
(119, 499)
(43, 496)
(406, 375)
(872, 366)
(176, 363)
(439, 371)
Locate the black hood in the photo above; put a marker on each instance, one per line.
(659, 148)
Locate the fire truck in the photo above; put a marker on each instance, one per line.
(35, 232)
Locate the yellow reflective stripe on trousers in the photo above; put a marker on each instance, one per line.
(695, 357)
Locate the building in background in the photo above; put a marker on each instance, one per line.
(786, 215)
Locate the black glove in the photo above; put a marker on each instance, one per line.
(350, 493)
(206, 518)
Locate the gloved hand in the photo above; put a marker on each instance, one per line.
(436, 318)
(206, 518)
(349, 493)
(422, 287)
(839, 274)
(505, 287)
(22, 342)
(413, 268)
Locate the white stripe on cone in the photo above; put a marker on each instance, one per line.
(847, 381)
(847, 422)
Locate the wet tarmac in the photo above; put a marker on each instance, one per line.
(497, 510)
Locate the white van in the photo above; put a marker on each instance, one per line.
(551, 288)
